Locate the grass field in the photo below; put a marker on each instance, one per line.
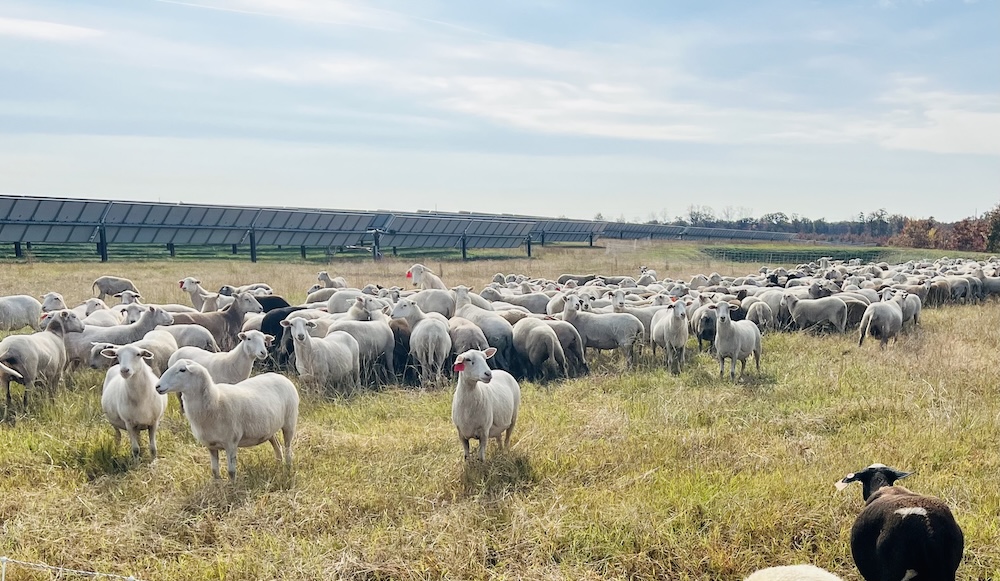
(619, 475)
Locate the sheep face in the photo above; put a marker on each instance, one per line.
(133, 312)
(473, 364)
(128, 297)
(872, 478)
(256, 344)
(130, 358)
(227, 290)
(188, 284)
(97, 354)
(52, 301)
(299, 327)
(249, 304)
(179, 376)
(723, 309)
(94, 305)
(67, 320)
(404, 308)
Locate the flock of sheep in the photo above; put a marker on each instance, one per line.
(515, 328)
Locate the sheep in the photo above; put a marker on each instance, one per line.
(320, 295)
(735, 340)
(338, 282)
(793, 573)
(229, 416)
(160, 343)
(19, 311)
(435, 301)
(129, 398)
(214, 302)
(254, 288)
(102, 318)
(499, 333)
(900, 534)
(670, 331)
(423, 277)
(704, 323)
(375, 343)
(572, 346)
(882, 320)
(78, 344)
(540, 352)
(53, 301)
(224, 325)
(809, 312)
(604, 331)
(430, 341)
(192, 336)
(109, 286)
(39, 357)
(485, 404)
(760, 314)
(465, 335)
(192, 286)
(230, 366)
(342, 300)
(331, 360)
(89, 307)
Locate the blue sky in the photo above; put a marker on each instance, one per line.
(628, 108)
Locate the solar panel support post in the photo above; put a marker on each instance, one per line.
(102, 246)
(253, 246)
(234, 249)
(17, 250)
(302, 251)
(376, 246)
(542, 241)
(590, 238)
(171, 249)
(527, 245)
(465, 248)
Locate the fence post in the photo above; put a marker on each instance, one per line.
(171, 249)
(302, 251)
(253, 246)
(527, 243)
(465, 252)
(234, 249)
(102, 246)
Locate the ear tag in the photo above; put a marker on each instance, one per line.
(459, 367)
(409, 274)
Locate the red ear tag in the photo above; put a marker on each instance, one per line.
(180, 284)
(409, 274)
(459, 367)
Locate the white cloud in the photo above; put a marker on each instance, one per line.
(49, 31)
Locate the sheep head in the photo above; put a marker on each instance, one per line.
(872, 478)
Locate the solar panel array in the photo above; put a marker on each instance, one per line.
(62, 220)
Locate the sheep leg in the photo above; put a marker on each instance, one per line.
(722, 367)
(484, 439)
(277, 449)
(6, 380)
(152, 442)
(133, 438)
(288, 434)
(118, 437)
(231, 461)
(214, 454)
(465, 446)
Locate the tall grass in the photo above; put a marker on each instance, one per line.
(639, 475)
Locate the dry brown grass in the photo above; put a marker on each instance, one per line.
(640, 475)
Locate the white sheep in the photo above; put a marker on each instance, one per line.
(129, 398)
(760, 314)
(160, 343)
(230, 416)
(192, 336)
(39, 357)
(604, 331)
(19, 311)
(108, 286)
(538, 349)
(807, 313)
(229, 366)
(735, 340)
(485, 404)
(324, 278)
(423, 277)
(793, 573)
(882, 320)
(670, 331)
(330, 360)
(53, 301)
(430, 341)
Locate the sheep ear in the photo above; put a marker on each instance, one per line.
(490, 352)
(285, 323)
(311, 324)
(268, 339)
(118, 296)
(109, 353)
(146, 354)
(242, 336)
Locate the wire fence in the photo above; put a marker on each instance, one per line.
(6, 563)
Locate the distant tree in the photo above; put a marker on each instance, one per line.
(599, 217)
(700, 215)
(992, 219)
(774, 221)
(970, 234)
(917, 234)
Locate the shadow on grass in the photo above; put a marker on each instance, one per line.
(501, 475)
(254, 477)
(100, 457)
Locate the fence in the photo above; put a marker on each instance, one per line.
(8, 563)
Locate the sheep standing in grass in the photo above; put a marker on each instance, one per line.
(129, 398)
(160, 343)
(430, 341)
(330, 360)
(230, 366)
(793, 573)
(109, 286)
(604, 331)
(901, 534)
(540, 354)
(882, 320)
(423, 277)
(231, 416)
(760, 314)
(485, 404)
(39, 357)
(19, 311)
(735, 340)
(670, 331)
(807, 313)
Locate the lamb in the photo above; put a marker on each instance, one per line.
(229, 366)
(760, 314)
(109, 286)
(129, 398)
(604, 331)
(331, 360)
(19, 311)
(324, 277)
(78, 345)
(229, 416)
(160, 343)
(670, 331)
(882, 320)
(224, 325)
(539, 350)
(430, 341)
(901, 534)
(735, 340)
(423, 277)
(39, 357)
(793, 573)
(485, 404)
(809, 312)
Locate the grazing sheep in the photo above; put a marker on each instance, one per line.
(160, 343)
(423, 277)
(793, 573)
(900, 534)
(604, 331)
(465, 335)
(192, 336)
(331, 360)
(230, 366)
(224, 325)
(809, 312)
(129, 398)
(229, 416)
(704, 323)
(572, 346)
(109, 286)
(760, 314)
(670, 331)
(18, 312)
(324, 278)
(540, 352)
(430, 341)
(882, 320)
(735, 340)
(376, 344)
(499, 333)
(485, 404)
(39, 357)
(78, 344)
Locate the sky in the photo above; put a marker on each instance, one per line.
(634, 108)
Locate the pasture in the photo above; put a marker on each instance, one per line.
(617, 475)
